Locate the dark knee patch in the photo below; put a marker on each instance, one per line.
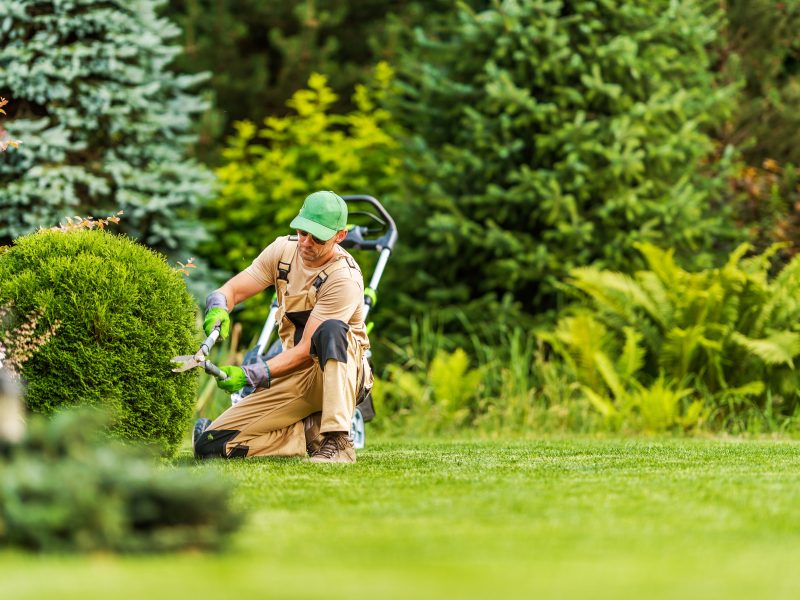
(329, 342)
(238, 451)
(212, 443)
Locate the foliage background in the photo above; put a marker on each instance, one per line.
(260, 53)
(517, 143)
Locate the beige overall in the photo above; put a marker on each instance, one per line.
(269, 421)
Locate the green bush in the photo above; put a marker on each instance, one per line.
(124, 313)
(64, 488)
(666, 348)
(260, 53)
(548, 135)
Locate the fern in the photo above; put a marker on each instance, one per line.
(657, 290)
(777, 349)
(662, 264)
(439, 399)
(783, 304)
(681, 346)
(616, 292)
(658, 407)
(454, 385)
(632, 357)
(579, 340)
(727, 337)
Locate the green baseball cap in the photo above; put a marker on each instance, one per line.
(322, 215)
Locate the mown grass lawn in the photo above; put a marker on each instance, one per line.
(571, 518)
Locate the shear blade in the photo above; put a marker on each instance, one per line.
(189, 362)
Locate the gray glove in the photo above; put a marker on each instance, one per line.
(258, 374)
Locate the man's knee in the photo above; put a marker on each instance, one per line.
(212, 443)
(329, 341)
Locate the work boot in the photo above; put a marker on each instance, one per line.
(337, 447)
(313, 437)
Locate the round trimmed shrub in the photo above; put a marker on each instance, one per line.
(124, 314)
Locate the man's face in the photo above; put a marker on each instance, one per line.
(313, 249)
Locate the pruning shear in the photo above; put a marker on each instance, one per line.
(198, 359)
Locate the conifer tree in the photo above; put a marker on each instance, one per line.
(104, 120)
(548, 135)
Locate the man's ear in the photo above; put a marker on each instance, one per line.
(340, 235)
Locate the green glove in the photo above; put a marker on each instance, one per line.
(236, 379)
(217, 314)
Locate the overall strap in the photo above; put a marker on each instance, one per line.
(343, 262)
(284, 266)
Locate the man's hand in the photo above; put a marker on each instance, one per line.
(236, 379)
(217, 310)
(217, 314)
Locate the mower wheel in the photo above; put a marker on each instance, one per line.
(357, 429)
(199, 427)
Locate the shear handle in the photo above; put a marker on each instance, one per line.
(212, 338)
(214, 370)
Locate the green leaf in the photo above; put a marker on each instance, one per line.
(604, 406)
(779, 348)
(633, 355)
(754, 388)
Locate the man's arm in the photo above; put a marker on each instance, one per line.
(239, 288)
(220, 302)
(338, 301)
(297, 357)
(261, 374)
(344, 299)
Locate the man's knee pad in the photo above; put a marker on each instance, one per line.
(212, 443)
(330, 342)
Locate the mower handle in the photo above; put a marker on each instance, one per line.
(355, 237)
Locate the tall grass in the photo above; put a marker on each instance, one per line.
(503, 385)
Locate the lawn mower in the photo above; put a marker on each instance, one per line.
(372, 229)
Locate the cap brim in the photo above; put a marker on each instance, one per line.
(315, 229)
